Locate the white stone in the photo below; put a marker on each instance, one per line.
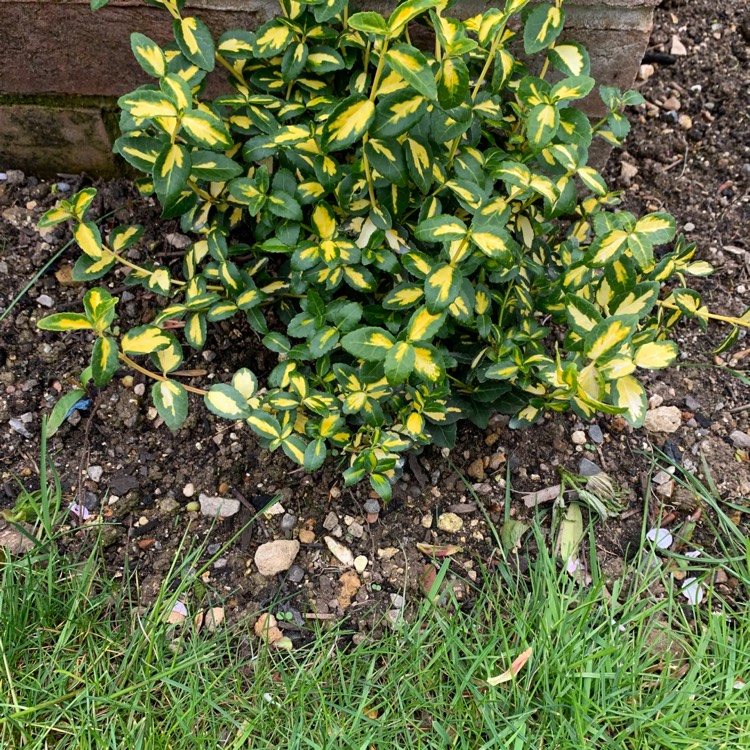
(218, 506)
(95, 473)
(663, 419)
(339, 551)
(276, 557)
(360, 563)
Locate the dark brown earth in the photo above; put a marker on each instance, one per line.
(693, 161)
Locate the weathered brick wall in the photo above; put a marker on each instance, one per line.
(63, 66)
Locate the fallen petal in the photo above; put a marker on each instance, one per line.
(693, 553)
(178, 613)
(513, 670)
(80, 510)
(573, 565)
(692, 590)
(660, 537)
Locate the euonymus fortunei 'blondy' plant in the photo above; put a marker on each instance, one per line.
(402, 208)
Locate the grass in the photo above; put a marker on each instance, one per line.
(632, 667)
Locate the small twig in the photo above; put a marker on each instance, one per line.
(738, 409)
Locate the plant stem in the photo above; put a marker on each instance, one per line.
(155, 375)
(711, 316)
(378, 70)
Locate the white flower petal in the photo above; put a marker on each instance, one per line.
(660, 537)
(692, 590)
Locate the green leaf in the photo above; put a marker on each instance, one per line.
(315, 455)
(441, 229)
(413, 67)
(543, 25)
(399, 362)
(348, 122)
(60, 410)
(284, 205)
(398, 113)
(140, 151)
(226, 401)
(171, 171)
(387, 158)
(294, 447)
(87, 235)
(405, 12)
(369, 23)
(382, 486)
(570, 58)
(195, 42)
(208, 165)
(452, 82)
(171, 402)
(582, 315)
(103, 361)
(370, 343)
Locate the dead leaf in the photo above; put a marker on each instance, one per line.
(427, 579)
(513, 670)
(547, 495)
(439, 550)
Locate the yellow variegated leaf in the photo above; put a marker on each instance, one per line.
(144, 340)
(656, 355)
(226, 401)
(426, 364)
(608, 247)
(65, 322)
(272, 39)
(424, 324)
(628, 393)
(88, 238)
(323, 221)
(348, 122)
(607, 337)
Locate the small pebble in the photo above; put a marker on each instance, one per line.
(188, 490)
(331, 521)
(740, 439)
(689, 227)
(139, 389)
(356, 530)
(218, 506)
(360, 563)
(95, 473)
(142, 521)
(339, 551)
(306, 536)
(45, 300)
(578, 437)
(213, 549)
(450, 522)
(372, 506)
(588, 468)
(220, 563)
(595, 433)
(295, 574)
(288, 521)
(193, 507)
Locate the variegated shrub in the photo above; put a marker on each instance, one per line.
(411, 226)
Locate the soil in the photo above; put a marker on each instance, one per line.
(688, 153)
